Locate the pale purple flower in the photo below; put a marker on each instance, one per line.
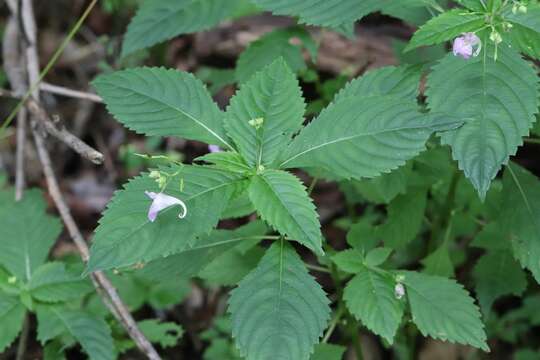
(162, 201)
(214, 148)
(467, 45)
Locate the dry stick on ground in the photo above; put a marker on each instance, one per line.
(60, 90)
(59, 131)
(102, 284)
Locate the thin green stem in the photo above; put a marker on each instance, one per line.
(312, 185)
(351, 327)
(318, 268)
(333, 324)
(532, 141)
(48, 67)
(441, 221)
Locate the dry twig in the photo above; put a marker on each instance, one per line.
(102, 284)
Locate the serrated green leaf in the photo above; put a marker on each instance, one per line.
(364, 137)
(230, 267)
(12, 314)
(51, 282)
(274, 96)
(282, 201)
(27, 234)
(497, 274)
(328, 352)
(401, 82)
(384, 188)
(439, 263)
(164, 102)
(239, 207)
(445, 27)
(331, 13)
(125, 236)
(474, 5)
(370, 297)
(362, 236)
(405, 217)
(160, 20)
(443, 309)
(166, 334)
(278, 311)
(272, 46)
(191, 260)
(499, 99)
(91, 332)
(54, 350)
(525, 32)
(350, 260)
(521, 216)
(226, 160)
(378, 256)
(49, 325)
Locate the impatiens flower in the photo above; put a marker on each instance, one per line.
(467, 45)
(161, 202)
(214, 148)
(399, 291)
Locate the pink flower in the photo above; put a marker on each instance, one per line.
(467, 45)
(161, 202)
(214, 148)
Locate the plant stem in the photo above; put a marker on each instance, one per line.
(350, 328)
(441, 222)
(333, 324)
(532, 141)
(312, 185)
(23, 339)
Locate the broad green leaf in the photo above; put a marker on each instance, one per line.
(474, 5)
(283, 43)
(278, 311)
(282, 201)
(370, 297)
(231, 266)
(226, 160)
(215, 78)
(439, 262)
(445, 27)
(160, 20)
(350, 260)
(525, 32)
(53, 283)
(274, 96)
(239, 207)
(384, 188)
(497, 274)
(498, 100)
(330, 13)
(49, 326)
(164, 102)
(363, 236)
(54, 350)
(521, 216)
(166, 334)
(27, 234)
(91, 332)
(12, 314)
(443, 309)
(325, 351)
(378, 256)
(364, 137)
(405, 217)
(191, 260)
(125, 236)
(401, 82)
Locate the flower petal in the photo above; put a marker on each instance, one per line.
(162, 202)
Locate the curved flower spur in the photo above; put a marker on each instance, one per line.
(161, 201)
